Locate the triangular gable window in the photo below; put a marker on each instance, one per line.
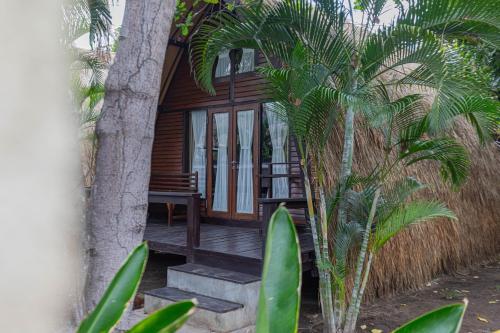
(224, 64)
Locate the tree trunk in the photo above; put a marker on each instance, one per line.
(356, 289)
(119, 199)
(346, 164)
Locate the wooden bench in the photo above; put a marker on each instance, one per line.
(179, 189)
(177, 184)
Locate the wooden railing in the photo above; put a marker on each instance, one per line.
(270, 204)
(174, 182)
(182, 189)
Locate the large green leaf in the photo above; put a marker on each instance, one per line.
(447, 319)
(117, 297)
(279, 298)
(166, 320)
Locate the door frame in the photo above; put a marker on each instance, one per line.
(210, 176)
(255, 160)
(232, 214)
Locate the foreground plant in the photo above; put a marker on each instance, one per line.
(118, 295)
(279, 298)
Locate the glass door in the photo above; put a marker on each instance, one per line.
(245, 162)
(219, 145)
(232, 163)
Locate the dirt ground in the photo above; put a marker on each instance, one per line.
(481, 286)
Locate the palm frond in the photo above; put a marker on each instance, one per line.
(275, 29)
(82, 16)
(311, 106)
(100, 20)
(346, 236)
(430, 14)
(470, 31)
(395, 46)
(396, 195)
(481, 112)
(394, 117)
(406, 215)
(453, 158)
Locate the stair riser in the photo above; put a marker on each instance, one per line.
(246, 294)
(211, 321)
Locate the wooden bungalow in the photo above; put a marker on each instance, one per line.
(227, 159)
(222, 163)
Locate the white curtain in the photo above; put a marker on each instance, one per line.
(223, 64)
(199, 158)
(278, 130)
(244, 202)
(221, 180)
(247, 61)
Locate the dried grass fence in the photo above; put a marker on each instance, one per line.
(423, 251)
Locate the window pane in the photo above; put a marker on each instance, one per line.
(244, 161)
(223, 65)
(220, 163)
(197, 147)
(275, 152)
(247, 61)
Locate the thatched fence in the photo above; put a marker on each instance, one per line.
(424, 251)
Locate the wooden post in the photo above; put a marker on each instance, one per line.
(170, 209)
(193, 225)
(267, 211)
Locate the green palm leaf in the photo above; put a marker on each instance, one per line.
(430, 14)
(346, 236)
(275, 28)
(82, 16)
(453, 158)
(408, 214)
(481, 112)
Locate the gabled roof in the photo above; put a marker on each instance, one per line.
(177, 45)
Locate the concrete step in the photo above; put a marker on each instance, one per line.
(215, 282)
(212, 314)
(216, 273)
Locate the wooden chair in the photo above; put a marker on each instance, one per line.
(174, 182)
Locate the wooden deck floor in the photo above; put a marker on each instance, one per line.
(229, 240)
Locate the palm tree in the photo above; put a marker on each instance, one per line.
(87, 67)
(333, 67)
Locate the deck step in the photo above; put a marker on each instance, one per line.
(204, 302)
(212, 314)
(216, 282)
(216, 273)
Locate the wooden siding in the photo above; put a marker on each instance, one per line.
(184, 94)
(168, 144)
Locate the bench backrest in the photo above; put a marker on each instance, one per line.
(174, 182)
